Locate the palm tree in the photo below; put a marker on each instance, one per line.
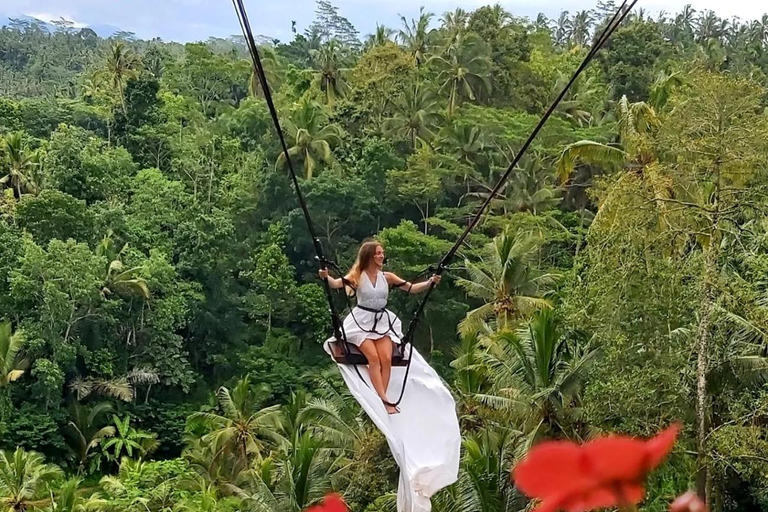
(712, 54)
(709, 26)
(300, 475)
(660, 92)
(23, 478)
(759, 29)
(466, 143)
(683, 25)
(605, 9)
(306, 472)
(271, 66)
(415, 36)
(470, 147)
(86, 434)
(121, 65)
(312, 39)
(212, 466)
(381, 37)
(119, 389)
(531, 189)
(563, 29)
(117, 493)
(498, 17)
(127, 440)
(12, 365)
(636, 120)
(581, 27)
(464, 67)
(314, 436)
(310, 136)
(455, 23)
(325, 419)
(153, 62)
(69, 498)
(584, 97)
(20, 164)
(239, 428)
(538, 374)
(542, 22)
(117, 278)
(484, 484)
(589, 152)
(471, 380)
(416, 118)
(507, 280)
(329, 61)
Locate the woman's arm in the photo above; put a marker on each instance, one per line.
(333, 282)
(397, 282)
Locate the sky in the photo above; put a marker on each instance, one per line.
(194, 20)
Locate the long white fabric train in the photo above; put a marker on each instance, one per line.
(424, 438)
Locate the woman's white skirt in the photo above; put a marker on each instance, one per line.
(362, 324)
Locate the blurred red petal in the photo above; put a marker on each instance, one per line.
(599, 474)
(550, 469)
(616, 459)
(334, 503)
(604, 497)
(659, 447)
(331, 503)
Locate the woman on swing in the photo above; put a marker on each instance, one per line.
(370, 326)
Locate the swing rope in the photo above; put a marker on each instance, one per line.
(245, 25)
(618, 17)
(338, 329)
(609, 29)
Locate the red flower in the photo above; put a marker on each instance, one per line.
(602, 473)
(331, 503)
(688, 502)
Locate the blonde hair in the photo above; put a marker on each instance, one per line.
(364, 259)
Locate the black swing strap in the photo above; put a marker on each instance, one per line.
(245, 25)
(618, 17)
(609, 29)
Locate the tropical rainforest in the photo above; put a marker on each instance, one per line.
(161, 319)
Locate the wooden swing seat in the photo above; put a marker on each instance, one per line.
(347, 353)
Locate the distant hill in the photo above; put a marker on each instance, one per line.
(105, 30)
(6, 19)
(102, 30)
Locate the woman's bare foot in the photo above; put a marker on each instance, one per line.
(392, 409)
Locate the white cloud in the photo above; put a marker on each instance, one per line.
(188, 20)
(49, 17)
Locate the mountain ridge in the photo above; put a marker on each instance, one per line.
(102, 29)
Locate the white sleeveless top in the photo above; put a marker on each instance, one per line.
(372, 295)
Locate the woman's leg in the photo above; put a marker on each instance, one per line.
(368, 348)
(384, 349)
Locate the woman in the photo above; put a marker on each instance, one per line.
(370, 326)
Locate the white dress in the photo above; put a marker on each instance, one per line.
(370, 319)
(424, 438)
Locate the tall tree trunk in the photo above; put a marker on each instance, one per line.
(452, 100)
(702, 365)
(431, 341)
(121, 91)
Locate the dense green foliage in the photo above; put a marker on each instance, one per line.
(161, 325)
